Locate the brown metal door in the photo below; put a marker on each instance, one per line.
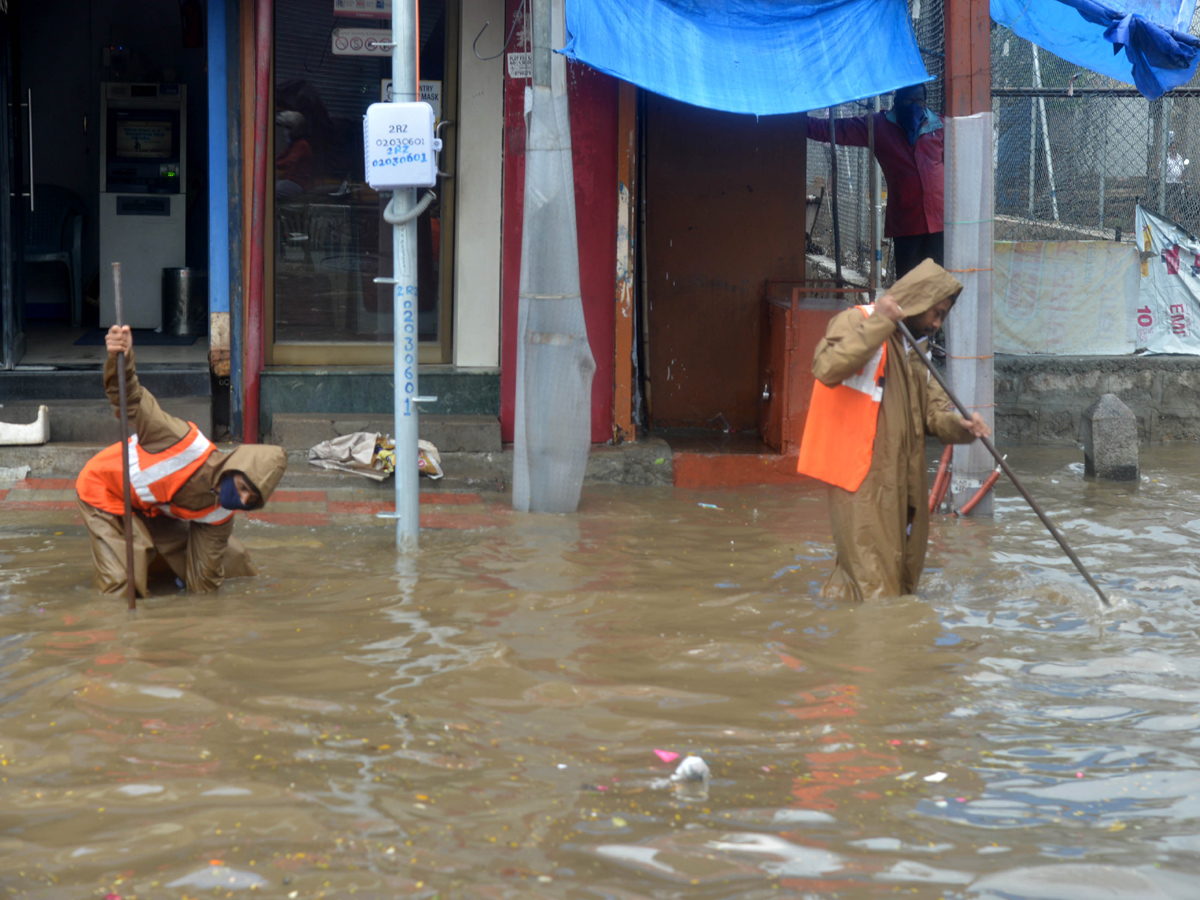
(725, 208)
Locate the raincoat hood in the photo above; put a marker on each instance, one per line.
(262, 464)
(925, 287)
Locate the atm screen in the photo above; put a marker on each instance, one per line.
(142, 139)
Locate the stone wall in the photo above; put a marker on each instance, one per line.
(1041, 399)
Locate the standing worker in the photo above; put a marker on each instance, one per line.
(184, 492)
(872, 405)
(909, 148)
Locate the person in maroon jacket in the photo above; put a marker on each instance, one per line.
(908, 146)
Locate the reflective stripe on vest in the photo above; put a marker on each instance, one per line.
(214, 515)
(839, 433)
(150, 473)
(154, 478)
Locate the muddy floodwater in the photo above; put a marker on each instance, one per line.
(499, 717)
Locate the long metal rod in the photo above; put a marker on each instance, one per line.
(404, 298)
(1051, 92)
(1062, 542)
(123, 404)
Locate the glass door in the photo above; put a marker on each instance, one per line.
(330, 241)
(16, 186)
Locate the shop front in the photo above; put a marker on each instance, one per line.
(103, 159)
(327, 323)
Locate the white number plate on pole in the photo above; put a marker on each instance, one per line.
(401, 151)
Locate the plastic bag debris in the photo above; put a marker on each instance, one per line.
(691, 779)
(372, 455)
(10, 474)
(429, 461)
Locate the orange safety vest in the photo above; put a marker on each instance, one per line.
(839, 433)
(154, 478)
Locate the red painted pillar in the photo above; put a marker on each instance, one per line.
(968, 57)
(254, 308)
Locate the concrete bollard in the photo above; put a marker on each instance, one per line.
(1110, 440)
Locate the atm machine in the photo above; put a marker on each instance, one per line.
(143, 198)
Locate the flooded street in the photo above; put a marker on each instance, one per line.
(498, 718)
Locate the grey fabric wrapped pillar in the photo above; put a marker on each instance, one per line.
(552, 422)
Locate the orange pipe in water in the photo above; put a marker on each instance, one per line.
(938, 491)
(981, 493)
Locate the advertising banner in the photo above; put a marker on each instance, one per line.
(1065, 297)
(1168, 308)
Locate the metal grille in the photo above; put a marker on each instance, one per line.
(853, 177)
(1076, 151)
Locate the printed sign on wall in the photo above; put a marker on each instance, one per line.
(362, 42)
(431, 93)
(363, 9)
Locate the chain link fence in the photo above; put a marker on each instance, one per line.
(852, 244)
(1075, 151)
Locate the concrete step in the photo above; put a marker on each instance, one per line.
(647, 463)
(88, 382)
(93, 422)
(450, 434)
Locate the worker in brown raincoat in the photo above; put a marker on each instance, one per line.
(865, 434)
(183, 490)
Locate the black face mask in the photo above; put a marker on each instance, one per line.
(228, 496)
(909, 116)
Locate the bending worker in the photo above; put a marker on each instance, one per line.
(908, 146)
(184, 492)
(872, 405)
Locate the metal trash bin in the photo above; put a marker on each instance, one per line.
(184, 301)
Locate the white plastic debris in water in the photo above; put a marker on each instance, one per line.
(220, 876)
(691, 779)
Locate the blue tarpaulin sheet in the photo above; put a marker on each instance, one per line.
(764, 57)
(1141, 42)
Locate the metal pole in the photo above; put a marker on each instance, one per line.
(833, 200)
(1164, 132)
(1103, 161)
(1032, 149)
(1037, 83)
(123, 406)
(876, 202)
(1012, 476)
(404, 305)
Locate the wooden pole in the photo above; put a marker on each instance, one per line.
(624, 428)
(127, 516)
